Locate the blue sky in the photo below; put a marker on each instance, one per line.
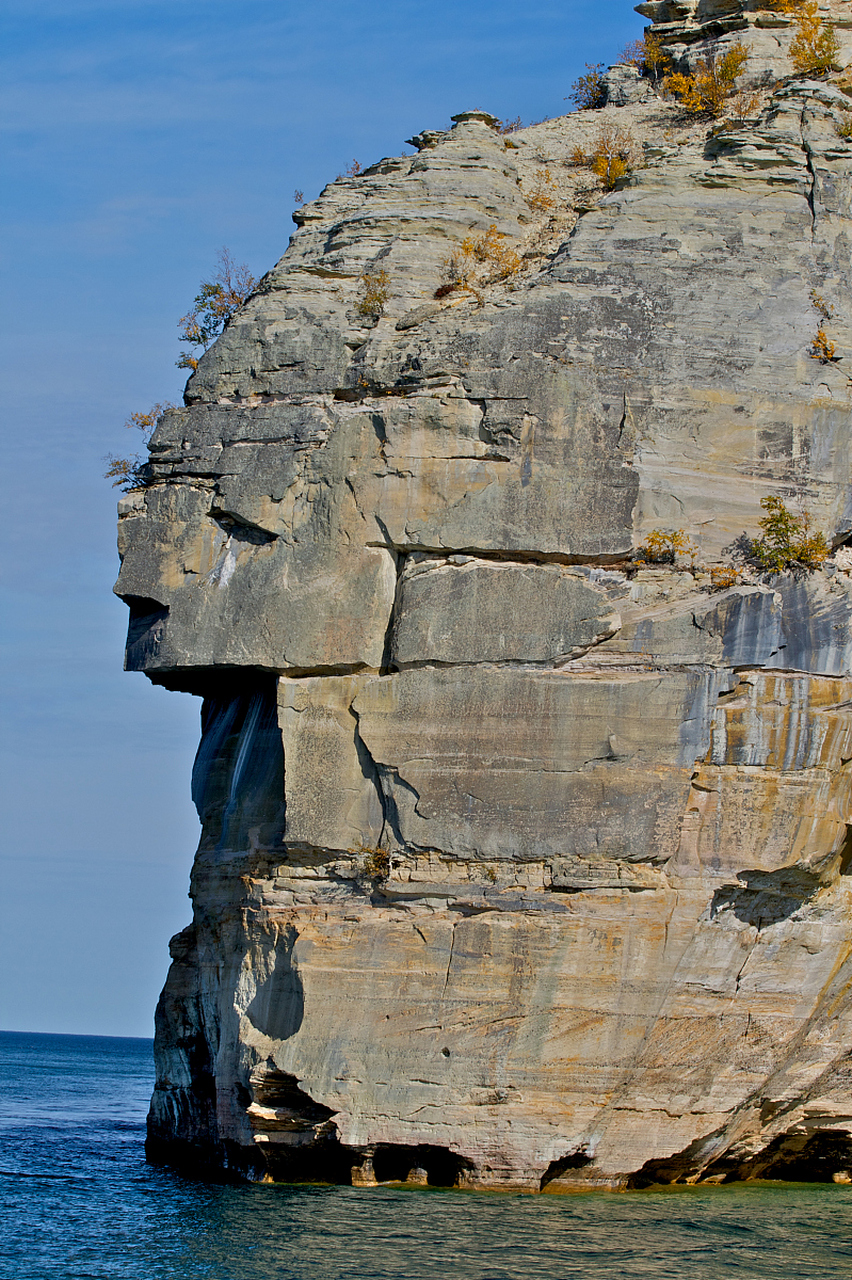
(136, 138)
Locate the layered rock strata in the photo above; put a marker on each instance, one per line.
(522, 865)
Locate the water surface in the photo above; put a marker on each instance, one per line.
(78, 1201)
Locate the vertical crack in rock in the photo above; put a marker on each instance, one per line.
(810, 194)
(450, 956)
(372, 772)
(388, 650)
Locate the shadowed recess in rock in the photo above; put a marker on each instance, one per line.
(556, 1168)
(238, 775)
(428, 1165)
(822, 1155)
(144, 631)
(763, 898)
(279, 1003)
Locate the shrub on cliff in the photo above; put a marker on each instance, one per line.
(788, 542)
(822, 348)
(649, 56)
(613, 156)
(543, 194)
(214, 304)
(130, 472)
(479, 260)
(815, 48)
(374, 862)
(724, 576)
(589, 91)
(374, 295)
(663, 546)
(708, 91)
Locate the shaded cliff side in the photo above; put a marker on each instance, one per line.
(522, 865)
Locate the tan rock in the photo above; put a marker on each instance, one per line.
(329, 781)
(523, 864)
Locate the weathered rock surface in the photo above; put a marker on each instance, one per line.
(523, 865)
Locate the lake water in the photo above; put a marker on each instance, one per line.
(77, 1201)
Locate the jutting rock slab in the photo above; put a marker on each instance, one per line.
(524, 863)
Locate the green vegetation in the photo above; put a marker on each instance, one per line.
(130, 472)
(788, 541)
(215, 303)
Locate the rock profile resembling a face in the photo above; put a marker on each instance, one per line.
(525, 854)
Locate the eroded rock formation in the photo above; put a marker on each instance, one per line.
(521, 865)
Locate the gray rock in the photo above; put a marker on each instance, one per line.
(330, 787)
(624, 86)
(501, 763)
(484, 612)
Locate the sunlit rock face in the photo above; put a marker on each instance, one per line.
(521, 866)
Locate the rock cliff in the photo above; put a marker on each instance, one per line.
(524, 863)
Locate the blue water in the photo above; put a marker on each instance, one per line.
(77, 1201)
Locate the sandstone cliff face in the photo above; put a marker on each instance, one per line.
(520, 866)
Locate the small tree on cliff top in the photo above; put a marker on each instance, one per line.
(216, 301)
(648, 55)
(589, 91)
(130, 472)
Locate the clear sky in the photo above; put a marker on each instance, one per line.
(137, 137)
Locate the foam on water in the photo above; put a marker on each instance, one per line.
(77, 1201)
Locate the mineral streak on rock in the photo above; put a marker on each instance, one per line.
(520, 867)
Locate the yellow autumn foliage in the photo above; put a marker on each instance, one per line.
(713, 83)
(815, 48)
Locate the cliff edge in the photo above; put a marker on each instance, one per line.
(524, 863)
